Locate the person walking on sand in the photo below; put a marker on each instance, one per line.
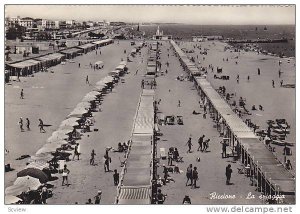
(248, 78)
(273, 84)
(205, 145)
(78, 65)
(224, 146)
(189, 144)
(200, 142)
(195, 178)
(28, 124)
(98, 197)
(281, 83)
(76, 152)
(189, 172)
(228, 174)
(65, 174)
(22, 94)
(116, 177)
(41, 125)
(87, 80)
(21, 124)
(107, 160)
(92, 160)
(258, 71)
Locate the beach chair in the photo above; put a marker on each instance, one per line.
(61, 165)
(162, 152)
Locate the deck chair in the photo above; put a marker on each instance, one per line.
(163, 153)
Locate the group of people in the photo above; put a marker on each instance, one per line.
(173, 155)
(192, 176)
(41, 125)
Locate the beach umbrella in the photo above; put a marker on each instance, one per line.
(10, 199)
(51, 147)
(78, 112)
(108, 79)
(57, 136)
(42, 157)
(28, 181)
(72, 121)
(35, 173)
(38, 165)
(94, 93)
(100, 88)
(16, 190)
(100, 83)
(85, 105)
(88, 98)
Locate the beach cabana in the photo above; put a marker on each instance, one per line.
(24, 68)
(71, 52)
(87, 47)
(28, 181)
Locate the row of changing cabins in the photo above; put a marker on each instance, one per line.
(30, 66)
(135, 185)
(269, 174)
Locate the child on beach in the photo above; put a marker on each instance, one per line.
(65, 174)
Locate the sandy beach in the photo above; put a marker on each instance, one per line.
(57, 93)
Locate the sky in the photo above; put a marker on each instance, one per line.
(199, 14)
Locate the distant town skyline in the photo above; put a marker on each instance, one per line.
(188, 14)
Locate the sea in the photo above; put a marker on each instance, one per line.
(185, 32)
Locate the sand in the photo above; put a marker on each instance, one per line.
(53, 100)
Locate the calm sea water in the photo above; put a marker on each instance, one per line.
(186, 32)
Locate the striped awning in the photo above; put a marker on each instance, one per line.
(135, 195)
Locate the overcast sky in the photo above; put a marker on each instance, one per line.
(155, 13)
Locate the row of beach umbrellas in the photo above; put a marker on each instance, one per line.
(34, 174)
